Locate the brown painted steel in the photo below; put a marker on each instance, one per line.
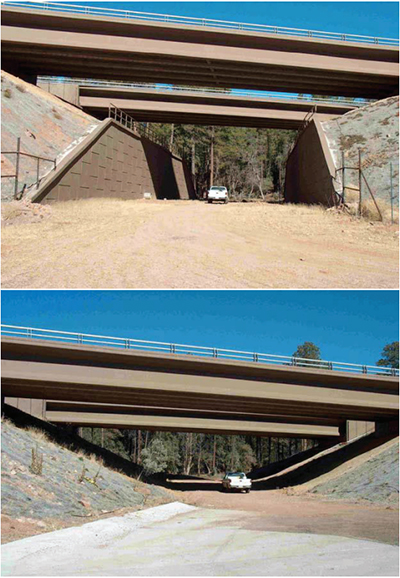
(99, 48)
(207, 114)
(165, 423)
(75, 407)
(69, 353)
(185, 387)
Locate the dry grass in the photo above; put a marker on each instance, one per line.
(369, 210)
(109, 243)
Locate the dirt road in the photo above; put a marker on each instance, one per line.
(276, 511)
(103, 243)
(178, 540)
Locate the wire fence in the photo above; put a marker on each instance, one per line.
(191, 350)
(202, 22)
(27, 173)
(364, 183)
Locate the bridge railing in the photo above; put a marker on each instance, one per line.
(266, 95)
(203, 22)
(191, 350)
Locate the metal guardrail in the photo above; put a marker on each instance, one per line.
(143, 129)
(195, 350)
(206, 91)
(203, 22)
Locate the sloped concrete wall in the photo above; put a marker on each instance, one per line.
(115, 162)
(310, 170)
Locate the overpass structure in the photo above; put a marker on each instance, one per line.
(211, 108)
(109, 382)
(44, 39)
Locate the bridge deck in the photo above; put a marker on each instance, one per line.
(35, 42)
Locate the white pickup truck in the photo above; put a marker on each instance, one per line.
(217, 194)
(236, 481)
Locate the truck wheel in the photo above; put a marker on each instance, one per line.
(209, 201)
(247, 491)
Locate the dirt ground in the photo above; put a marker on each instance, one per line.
(105, 243)
(275, 510)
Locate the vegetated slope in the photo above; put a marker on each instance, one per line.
(358, 471)
(374, 130)
(46, 125)
(376, 480)
(72, 488)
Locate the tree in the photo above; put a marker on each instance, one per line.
(308, 350)
(390, 355)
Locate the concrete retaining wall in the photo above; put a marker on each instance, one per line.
(113, 161)
(35, 407)
(310, 170)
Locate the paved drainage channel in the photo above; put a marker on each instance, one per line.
(177, 540)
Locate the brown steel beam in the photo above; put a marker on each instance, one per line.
(15, 348)
(208, 112)
(280, 62)
(74, 407)
(100, 384)
(15, 16)
(193, 424)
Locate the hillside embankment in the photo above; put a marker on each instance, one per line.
(371, 131)
(46, 486)
(47, 126)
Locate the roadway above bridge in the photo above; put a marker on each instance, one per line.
(38, 42)
(186, 107)
(202, 388)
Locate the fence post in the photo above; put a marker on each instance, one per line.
(343, 185)
(359, 182)
(391, 192)
(17, 168)
(37, 172)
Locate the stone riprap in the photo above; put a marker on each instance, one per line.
(48, 127)
(70, 486)
(374, 130)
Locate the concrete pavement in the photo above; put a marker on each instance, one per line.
(177, 539)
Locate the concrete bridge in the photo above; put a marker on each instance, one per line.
(211, 108)
(124, 46)
(99, 385)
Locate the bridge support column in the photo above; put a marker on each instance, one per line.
(355, 429)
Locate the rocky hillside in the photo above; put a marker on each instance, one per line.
(374, 130)
(376, 480)
(46, 486)
(48, 127)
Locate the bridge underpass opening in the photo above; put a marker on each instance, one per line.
(88, 385)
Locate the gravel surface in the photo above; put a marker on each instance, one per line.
(71, 488)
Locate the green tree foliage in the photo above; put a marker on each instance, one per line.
(194, 453)
(308, 350)
(390, 355)
(250, 162)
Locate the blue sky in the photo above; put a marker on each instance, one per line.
(350, 326)
(369, 18)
